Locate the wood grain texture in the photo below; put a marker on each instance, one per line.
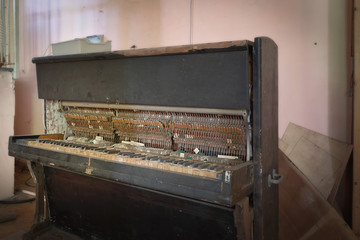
(52, 136)
(265, 142)
(356, 122)
(92, 208)
(205, 79)
(182, 49)
(322, 160)
(303, 212)
(244, 216)
(150, 51)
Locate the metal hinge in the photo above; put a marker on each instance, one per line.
(275, 178)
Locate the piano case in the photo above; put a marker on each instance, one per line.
(81, 197)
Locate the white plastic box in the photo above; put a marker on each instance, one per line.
(80, 45)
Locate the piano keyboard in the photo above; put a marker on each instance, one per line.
(163, 162)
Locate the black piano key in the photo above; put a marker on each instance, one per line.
(125, 153)
(137, 155)
(163, 160)
(181, 162)
(142, 157)
(187, 164)
(87, 148)
(211, 167)
(99, 149)
(203, 166)
(111, 151)
(219, 168)
(195, 165)
(170, 160)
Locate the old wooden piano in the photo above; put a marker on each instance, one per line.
(164, 143)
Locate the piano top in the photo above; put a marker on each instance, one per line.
(168, 50)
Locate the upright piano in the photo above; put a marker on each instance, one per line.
(164, 143)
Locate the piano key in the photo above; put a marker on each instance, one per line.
(195, 165)
(186, 164)
(203, 166)
(125, 153)
(137, 156)
(196, 168)
(219, 168)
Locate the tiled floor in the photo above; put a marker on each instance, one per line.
(24, 212)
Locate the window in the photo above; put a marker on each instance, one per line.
(8, 36)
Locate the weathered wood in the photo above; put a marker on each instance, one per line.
(217, 79)
(41, 213)
(322, 160)
(52, 136)
(203, 76)
(182, 49)
(356, 122)
(304, 213)
(7, 216)
(41, 218)
(93, 208)
(265, 130)
(150, 51)
(349, 69)
(244, 216)
(37, 230)
(206, 189)
(47, 232)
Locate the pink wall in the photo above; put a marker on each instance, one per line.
(7, 106)
(310, 34)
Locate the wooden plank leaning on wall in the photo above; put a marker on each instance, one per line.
(356, 122)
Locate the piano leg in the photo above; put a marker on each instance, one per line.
(41, 218)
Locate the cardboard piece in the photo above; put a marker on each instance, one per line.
(303, 212)
(321, 159)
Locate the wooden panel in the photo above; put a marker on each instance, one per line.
(244, 216)
(209, 79)
(96, 209)
(356, 155)
(265, 122)
(303, 212)
(322, 159)
(190, 48)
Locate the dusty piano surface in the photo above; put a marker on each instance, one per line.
(169, 143)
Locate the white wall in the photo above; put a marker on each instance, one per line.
(310, 34)
(7, 106)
